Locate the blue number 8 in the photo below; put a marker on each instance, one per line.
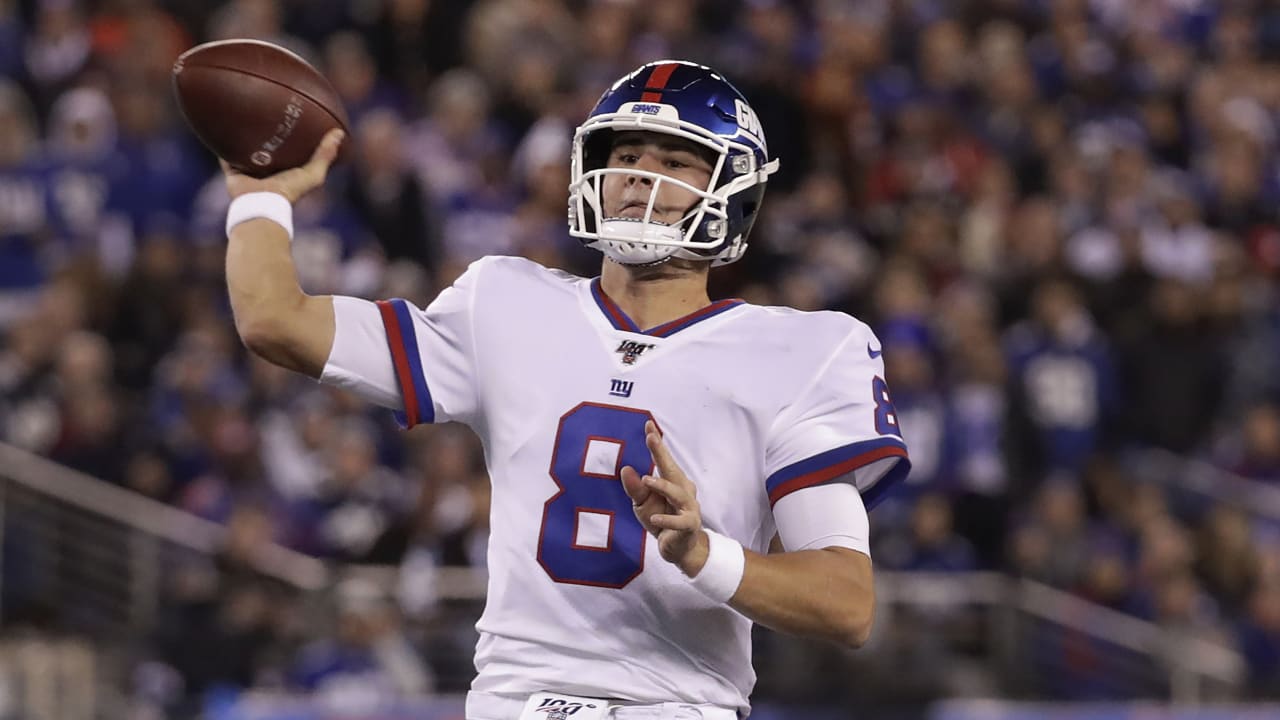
(593, 444)
(886, 413)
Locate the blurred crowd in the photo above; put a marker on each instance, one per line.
(1062, 218)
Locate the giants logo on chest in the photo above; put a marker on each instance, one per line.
(632, 350)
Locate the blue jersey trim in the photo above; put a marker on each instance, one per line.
(693, 318)
(412, 356)
(832, 465)
(615, 315)
(621, 321)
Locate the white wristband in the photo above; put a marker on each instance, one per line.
(722, 574)
(267, 205)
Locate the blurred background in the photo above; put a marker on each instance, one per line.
(1062, 217)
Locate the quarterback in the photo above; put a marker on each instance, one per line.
(645, 444)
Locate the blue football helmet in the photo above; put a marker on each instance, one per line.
(688, 101)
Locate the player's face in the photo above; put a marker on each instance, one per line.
(627, 196)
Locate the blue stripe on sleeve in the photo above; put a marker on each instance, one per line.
(887, 482)
(834, 464)
(426, 408)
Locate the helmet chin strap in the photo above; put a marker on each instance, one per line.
(641, 266)
(637, 230)
(623, 240)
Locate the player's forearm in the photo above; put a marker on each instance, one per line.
(826, 594)
(274, 317)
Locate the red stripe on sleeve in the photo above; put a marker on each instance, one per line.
(818, 477)
(395, 341)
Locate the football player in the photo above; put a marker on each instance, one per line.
(645, 444)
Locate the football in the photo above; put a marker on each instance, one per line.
(260, 107)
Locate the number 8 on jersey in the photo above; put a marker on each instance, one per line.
(590, 535)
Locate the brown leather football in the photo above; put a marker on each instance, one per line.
(256, 105)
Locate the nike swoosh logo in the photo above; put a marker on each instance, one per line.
(873, 353)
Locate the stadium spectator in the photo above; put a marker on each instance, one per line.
(367, 661)
(932, 545)
(1259, 453)
(388, 198)
(1052, 545)
(1065, 390)
(1167, 347)
(1259, 632)
(26, 225)
(360, 506)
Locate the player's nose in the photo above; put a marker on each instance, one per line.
(647, 162)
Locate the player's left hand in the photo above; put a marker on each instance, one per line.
(667, 506)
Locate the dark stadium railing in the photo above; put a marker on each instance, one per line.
(95, 556)
(1191, 482)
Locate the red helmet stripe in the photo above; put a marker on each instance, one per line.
(657, 81)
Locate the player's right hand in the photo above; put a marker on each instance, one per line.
(294, 182)
(667, 506)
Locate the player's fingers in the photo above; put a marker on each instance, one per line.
(648, 509)
(677, 494)
(634, 486)
(328, 148)
(681, 522)
(661, 455)
(651, 506)
(324, 154)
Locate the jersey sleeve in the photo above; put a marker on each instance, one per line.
(370, 375)
(841, 428)
(823, 516)
(418, 362)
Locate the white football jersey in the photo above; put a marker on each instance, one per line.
(754, 403)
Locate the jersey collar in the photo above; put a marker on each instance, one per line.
(620, 321)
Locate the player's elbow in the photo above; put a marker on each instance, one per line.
(266, 336)
(297, 338)
(856, 618)
(850, 597)
(261, 334)
(860, 628)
